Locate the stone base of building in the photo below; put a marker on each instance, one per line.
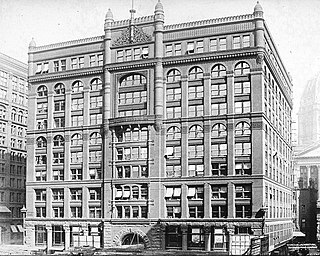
(232, 236)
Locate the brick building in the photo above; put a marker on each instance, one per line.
(13, 125)
(172, 137)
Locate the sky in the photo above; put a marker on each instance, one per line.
(294, 25)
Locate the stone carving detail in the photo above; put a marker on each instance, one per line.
(259, 58)
(132, 35)
(257, 125)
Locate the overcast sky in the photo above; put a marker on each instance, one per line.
(294, 25)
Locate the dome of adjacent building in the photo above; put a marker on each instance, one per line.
(258, 7)
(32, 43)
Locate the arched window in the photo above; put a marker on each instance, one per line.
(42, 91)
(218, 71)
(195, 73)
(3, 112)
(196, 131)
(76, 139)
(218, 130)
(173, 75)
(13, 114)
(41, 142)
(20, 116)
(242, 128)
(95, 138)
(59, 88)
(133, 80)
(58, 141)
(77, 86)
(96, 84)
(173, 133)
(242, 68)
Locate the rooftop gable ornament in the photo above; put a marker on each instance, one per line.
(132, 34)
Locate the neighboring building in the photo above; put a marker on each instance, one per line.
(174, 137)
(13, 125)
(309, 114)
(308, 213)
(307, 152)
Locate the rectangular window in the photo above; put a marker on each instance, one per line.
(242, 148)
(76, 174)
(59, 105)
(219, 211)
(76, 194)
(40, 212)
(95, 173)
(81, 62)
(100, 59)
(169, 50)
(196, 211)
(59, 122)
(218, 90)
(74, 63)
(173, 212)
(243, 191)
(243, 211)
(96, 102)
(92, 60)
(173, 94)
(218, 149)
(242, 107)
(58, 174)
(173, 112)
(219, 169)
(77, 104)
(41, 175)
(195, 110)
(213, 45)
(63, 65)
(195, 151)
(195, 192)
(45, 67)
(40, 235)
(128, 55)
(57, 194)
(190, 48)
(58, 158)
(219, 192)
(58, 235)
(95, 212)
(76, 120)
(199, 46)
(41, 195)
(218, 109)
(236, 42)
(120, 56)
(177, 49)
(56, 66)
(243, 168)
(95, 119)
(222, 44)
(246, 41)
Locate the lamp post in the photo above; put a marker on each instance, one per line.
(24, 212)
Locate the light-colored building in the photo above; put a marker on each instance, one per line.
(170, 136)
(13, 125)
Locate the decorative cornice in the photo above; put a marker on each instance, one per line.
(68, 43)
(70, 73)
(209, 22)
(139, 20)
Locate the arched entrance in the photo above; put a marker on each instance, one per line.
(133, 239)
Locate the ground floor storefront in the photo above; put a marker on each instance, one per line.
(230, 237)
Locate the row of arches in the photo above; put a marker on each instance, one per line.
(77, 86)
(173, 75)
(16, 115)
(218, 70)
(218, 130)
(76, 140)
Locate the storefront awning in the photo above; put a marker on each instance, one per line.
(298, 234)
(4, 209)
(20, 228)
(16, 228)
